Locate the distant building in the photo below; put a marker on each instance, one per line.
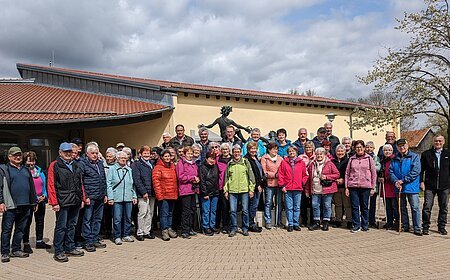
(419, 140)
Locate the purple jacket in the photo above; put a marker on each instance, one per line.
(361, 172)
(222, 164)
(186, 172)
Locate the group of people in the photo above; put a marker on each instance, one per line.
(89, 192)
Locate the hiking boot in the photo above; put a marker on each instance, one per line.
(99, 245)
(268, 226)
(216, 230)
(192, 233)
(290, 229)
(314, 226)
(255, 228)
(185, 236)
(165, 235)
(337, 225)
(349, 225)
(297, 228)
(442, 231)
(27, 249)
(61, 258)
(75, 253)
(140, 238)
(151, 235)
(5, 258)
(43, 245)
(418, 233)
(245, 232)
(89, 248)
(172, 233)
(208, 232)
(118, 241)
(232, 233)
(127, 239)
(325, 226)
(426, 231)
(19, 254)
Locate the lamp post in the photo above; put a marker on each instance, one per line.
(331, 116)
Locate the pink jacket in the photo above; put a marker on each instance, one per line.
(331, 173)
(270, 169)
(361, 172)
(292, 179)
(186, 172)
(307, 160)
(222, 168)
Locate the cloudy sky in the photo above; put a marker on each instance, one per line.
(258, 44)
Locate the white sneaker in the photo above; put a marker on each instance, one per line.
(118, 241)
(127, 239)
(355, 230)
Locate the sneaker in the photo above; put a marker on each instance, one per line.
(75, 253)
(325, 226)
(373, 225)
(140, 238)
(61, 258)
(224, 231)
(118, 241)
(245, 232)
(216, 230)
(405, 229)
(127, 239)
(165, 235)
(442, 231)
(232, 233)
(99, 245)
(185, 236)
(349, 225)
(89, 248)
(27, 249)
(208, 232)
(426, 231)
(268, 226)
(151, 235)
(255, 228)
(43, 245)
(19, 254)
(78, 246)
(365, 229)
(355, 230)
(297, 228)
(337, 225)
(418, 233)
(5, 258)
(290, 229)
(314, 226)
(192, 233)
(172, 233)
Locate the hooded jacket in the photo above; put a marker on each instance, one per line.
(361, 172)
(290, 178)
(209, 179)
(239, 177)
(186, 173)
(120, 184)
(142, 178)
(406, 168)
(164, 178)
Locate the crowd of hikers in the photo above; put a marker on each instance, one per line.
(186, 187)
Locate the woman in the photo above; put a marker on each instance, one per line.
(29, 159)
(307, 157)
(216, 148)
(360, 180)
(387, 188)
(270, 164)
(122, 196)
(209, 192)
(282, 142)
(341, 201)
(223, 207)
(370, 147)
(197, 150)
(321, 187)
(251, 156)
(239, 185)
(173, 155)
(107, 221)
(164, 178)
(187, 173)
(327, 146)
(291, 178)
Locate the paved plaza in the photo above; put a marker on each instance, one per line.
(272, 254)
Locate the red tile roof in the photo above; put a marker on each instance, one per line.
(213, 89)
(31, 103)
(414, 137)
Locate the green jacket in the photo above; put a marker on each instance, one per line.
(239, 177)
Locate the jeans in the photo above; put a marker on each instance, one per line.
(391, 205)
(122, 213)
(254, 201)
(145, 215)
(209, 208)
(16, 218)
(292, 200)
(165, 213)
(66, 221)
(359, 198)
(413, 199)
(372, 208)
(39, 216)
(270, 192)
(234, 198)
(188, 209)
(92, 220)
(428, 206)
(223, 212)
(321, 201)
(342, 206)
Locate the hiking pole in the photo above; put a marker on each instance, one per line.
(399, 213)
(384, 201)
(378, 208)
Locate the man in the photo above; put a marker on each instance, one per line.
(434, 180)
(347, 142)
(230, 136)
(65, 196)
(120, 146)
(181, 139)
(93, 177)
(390, 139)
(321, 136)
(255, 137)
(405, 175)
(17, 199)
(203, 133)
(301, 141)
(142, 180)
(80, 144)
(330, 137)
(166, 137)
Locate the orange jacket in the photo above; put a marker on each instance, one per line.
(165, 181)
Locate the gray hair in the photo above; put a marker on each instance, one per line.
(213, 143)
(236, 146)
(300, 129)
(225, 145)
(112, 150)
(121, 154)
(370, 143)
(127, 150)
(320, 150)
(197, 146)
(165, 134)
(346, 138)
(91, 146)
(309, 143)
(341, 146)
(328, 123)
(387, 146)
(202, 129)
(256, 130)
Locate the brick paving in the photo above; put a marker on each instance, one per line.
(272, 254)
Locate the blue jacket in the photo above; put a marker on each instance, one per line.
(407, 169)
(120, 190)
(261, 148)
(142, 177)
(93, 178)
(299, 145)
(282, 150)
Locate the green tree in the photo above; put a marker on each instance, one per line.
(416, 78)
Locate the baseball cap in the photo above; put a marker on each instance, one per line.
(322, 130)
(401, 141)
(14, 150)
(65, 147)
(120, 144)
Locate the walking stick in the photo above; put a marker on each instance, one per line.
(384, 201)
(399, 214)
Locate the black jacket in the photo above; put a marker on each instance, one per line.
(342, 167)
(259, 180)
(94, 178)
(435, 178)
(209, 179)
(4, 173)
(142, 178)
(67, 184)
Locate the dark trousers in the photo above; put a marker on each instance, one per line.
(223, 212)
(391, 205)
(16, 218)
(428, 206)
(39, 216)
(66, 221)
(359, 198)
(176, 216)
(372, 208)
(188, 209)
(106, 227)
(306, 203)
(92, 219)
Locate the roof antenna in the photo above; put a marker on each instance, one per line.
(52, 60)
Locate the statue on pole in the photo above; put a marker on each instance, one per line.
(223, 121)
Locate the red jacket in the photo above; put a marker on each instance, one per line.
(388, 185)
(292, 179)
(331, 173)
(164, 180)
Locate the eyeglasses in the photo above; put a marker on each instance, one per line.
(214, 147)
(359, 147)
